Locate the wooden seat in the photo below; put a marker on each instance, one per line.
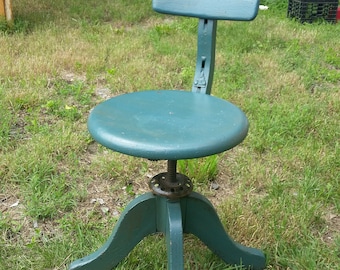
(168, 125)
(172, 125)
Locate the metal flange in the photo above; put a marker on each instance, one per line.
(161, 185)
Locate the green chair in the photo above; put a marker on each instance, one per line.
(172, 125)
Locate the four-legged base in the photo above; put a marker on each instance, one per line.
(149, 213)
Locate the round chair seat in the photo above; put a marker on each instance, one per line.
(167, 124)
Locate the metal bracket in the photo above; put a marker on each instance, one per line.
(162, 185)
(205, 56)
(171, 184)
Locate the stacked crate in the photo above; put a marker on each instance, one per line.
(313, 10)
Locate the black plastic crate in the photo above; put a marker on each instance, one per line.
(310, 11)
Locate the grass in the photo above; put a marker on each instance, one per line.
(278, 191)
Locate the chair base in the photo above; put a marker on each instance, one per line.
(149, 213)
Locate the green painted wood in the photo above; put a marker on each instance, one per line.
(174, 236)
(172, 125)
(205, 62)
(148, 214)
(137, 221)
(212, 233)
(167, 124)
(169, 222)
(238, 10)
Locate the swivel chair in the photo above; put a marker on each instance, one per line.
(172, 125)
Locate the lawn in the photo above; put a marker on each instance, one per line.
(61, 193)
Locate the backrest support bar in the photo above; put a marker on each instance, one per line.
(208, 12)
(235, 10)
(205, 62)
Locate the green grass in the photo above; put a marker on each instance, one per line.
(278, 191)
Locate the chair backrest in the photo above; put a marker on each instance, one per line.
(208, 12)
(236, 10)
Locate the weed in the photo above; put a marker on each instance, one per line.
(201, 171)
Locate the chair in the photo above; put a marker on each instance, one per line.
(172, 125)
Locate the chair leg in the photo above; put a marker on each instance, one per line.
(202, 220)
(149, 214)
(137, 221)
(170, 223)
